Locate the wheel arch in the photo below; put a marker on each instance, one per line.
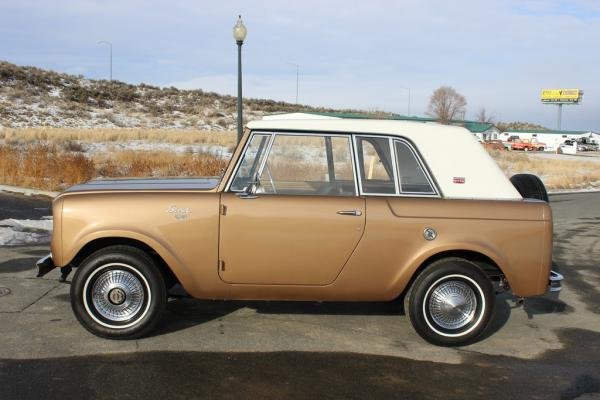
(96, 244)
(483, 261)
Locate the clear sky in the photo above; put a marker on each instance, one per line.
(352, 54)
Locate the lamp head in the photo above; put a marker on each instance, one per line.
(239, 31)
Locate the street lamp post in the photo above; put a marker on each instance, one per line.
(239, 34)
(408, 108)
(297, 74)
(110, 55)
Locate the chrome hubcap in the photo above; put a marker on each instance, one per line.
(452, 304)
(117, 295)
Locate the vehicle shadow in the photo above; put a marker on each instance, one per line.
(186, 312)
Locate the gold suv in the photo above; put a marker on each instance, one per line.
(313, 209)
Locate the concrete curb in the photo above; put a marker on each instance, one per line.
(27, 191)
(574, 192)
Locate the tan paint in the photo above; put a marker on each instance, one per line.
(291, 240)
(298, 247)
(189, 246)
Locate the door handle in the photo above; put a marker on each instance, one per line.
(355, 213)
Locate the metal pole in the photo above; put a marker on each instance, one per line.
(559, 115)
(297, 73)
(408, 105)
(110, 65)
(240, 121)
(110, 62)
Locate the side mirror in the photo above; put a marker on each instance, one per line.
(250, 190)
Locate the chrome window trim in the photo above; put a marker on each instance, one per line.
(394, 165)
(398, 193)
(261, 167)
(239, 160)
(292, 133)
(362, 192)
(435, 192)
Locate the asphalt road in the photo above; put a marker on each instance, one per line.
(548, 348)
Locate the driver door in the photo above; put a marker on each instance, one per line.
(291, 214)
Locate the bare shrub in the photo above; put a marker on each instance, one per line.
(446, 104)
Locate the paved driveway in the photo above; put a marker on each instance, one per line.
(547, 348)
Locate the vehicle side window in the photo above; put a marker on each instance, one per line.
(410, 173)
(308, 165)
(250, 164)
(375, 160)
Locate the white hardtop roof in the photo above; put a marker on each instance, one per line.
(322, 123)
(450, 152)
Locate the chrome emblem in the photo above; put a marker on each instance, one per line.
(429, 233)
(179, 213)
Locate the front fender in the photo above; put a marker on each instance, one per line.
(176, 265)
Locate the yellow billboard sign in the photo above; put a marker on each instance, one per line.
(561, 95)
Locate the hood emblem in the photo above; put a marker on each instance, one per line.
(179, 213)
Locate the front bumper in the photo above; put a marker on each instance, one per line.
(555, 281)
(45, 265)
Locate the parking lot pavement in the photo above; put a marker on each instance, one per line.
(547, 348)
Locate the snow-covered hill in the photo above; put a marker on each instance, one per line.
(33, 97)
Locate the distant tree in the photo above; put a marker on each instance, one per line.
(482, 116)
(446, 104)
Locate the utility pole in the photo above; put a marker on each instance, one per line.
(110, 62)
(297, 75)
(408, 106)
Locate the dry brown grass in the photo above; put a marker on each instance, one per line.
(65, 135)
(42, 167)
(51, 158)
(49, 168)
(158, 163)
(556, 174)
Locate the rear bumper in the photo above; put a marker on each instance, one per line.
(555, 281)
(45, 265)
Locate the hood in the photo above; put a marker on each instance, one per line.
(146, 184)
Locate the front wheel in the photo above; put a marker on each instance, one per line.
(451, 302)
(118, 293)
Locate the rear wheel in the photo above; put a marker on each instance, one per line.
(118, 293)
(451, 302)
(529, 186)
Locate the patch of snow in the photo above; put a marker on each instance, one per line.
(92, 149)
(54, 92)
(14, 232)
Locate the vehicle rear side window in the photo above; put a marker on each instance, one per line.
(255, 153)
(411, 175)
(375, 160)
(308, 165)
